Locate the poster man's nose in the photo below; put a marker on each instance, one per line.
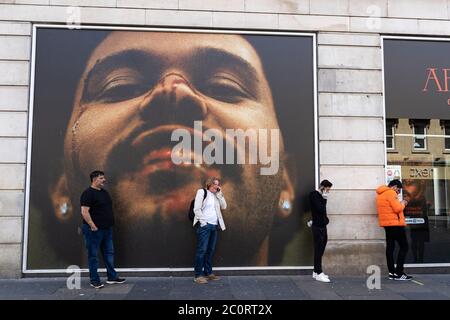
(174, 96)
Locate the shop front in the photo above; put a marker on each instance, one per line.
(418, 140)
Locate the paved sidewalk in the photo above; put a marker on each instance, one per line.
(303, 287)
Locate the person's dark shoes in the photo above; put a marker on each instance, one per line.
(391, 276)
(97, 285)
(402, 277)
(117, 280)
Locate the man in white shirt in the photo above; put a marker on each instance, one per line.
(208, 217)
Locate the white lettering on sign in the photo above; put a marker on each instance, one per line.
(420, 173)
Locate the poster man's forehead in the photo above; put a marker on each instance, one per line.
(175, 45)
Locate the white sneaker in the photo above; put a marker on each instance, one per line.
(315, 275)
(322, 278)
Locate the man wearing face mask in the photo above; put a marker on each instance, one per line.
(318, 201)
(391, 217)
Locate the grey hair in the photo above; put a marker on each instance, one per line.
(210, 181)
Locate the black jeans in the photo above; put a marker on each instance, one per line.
(320, 237)
(396, 234)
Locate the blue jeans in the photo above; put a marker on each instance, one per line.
(102, 238)
(206, 244)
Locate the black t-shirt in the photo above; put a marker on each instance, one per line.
(100, 206)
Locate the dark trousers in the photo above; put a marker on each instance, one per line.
(99, 240)
(206, 244)
(396, 234)
(320, 237)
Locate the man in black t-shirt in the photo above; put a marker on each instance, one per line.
(98, 220)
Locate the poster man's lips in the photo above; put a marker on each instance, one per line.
(168, 165)
(160, 165)
(154, 149)
(162, 154)
(156, 145)
(160, 160)
(150, 150)
(149, 139)
(165, 154)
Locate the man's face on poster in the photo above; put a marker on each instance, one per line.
(412, 192)
(137, 88)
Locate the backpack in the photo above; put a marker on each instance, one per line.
(191, 213)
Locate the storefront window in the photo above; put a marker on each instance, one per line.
(417, 96)
(426, 181)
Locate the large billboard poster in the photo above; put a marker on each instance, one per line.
(417, 100)
(159, 111)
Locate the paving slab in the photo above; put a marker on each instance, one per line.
(256, 288)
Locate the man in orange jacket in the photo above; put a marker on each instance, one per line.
(391, 217)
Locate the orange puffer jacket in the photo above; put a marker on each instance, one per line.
(390, 209)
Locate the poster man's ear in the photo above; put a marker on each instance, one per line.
(59, 195)
(287, 195)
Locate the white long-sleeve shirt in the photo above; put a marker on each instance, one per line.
(199, 208)
(209, 209)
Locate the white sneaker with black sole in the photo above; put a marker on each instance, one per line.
(115, 281)
(97, 285)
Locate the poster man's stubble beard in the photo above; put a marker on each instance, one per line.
(248, 218)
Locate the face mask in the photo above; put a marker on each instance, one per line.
(325, 195)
